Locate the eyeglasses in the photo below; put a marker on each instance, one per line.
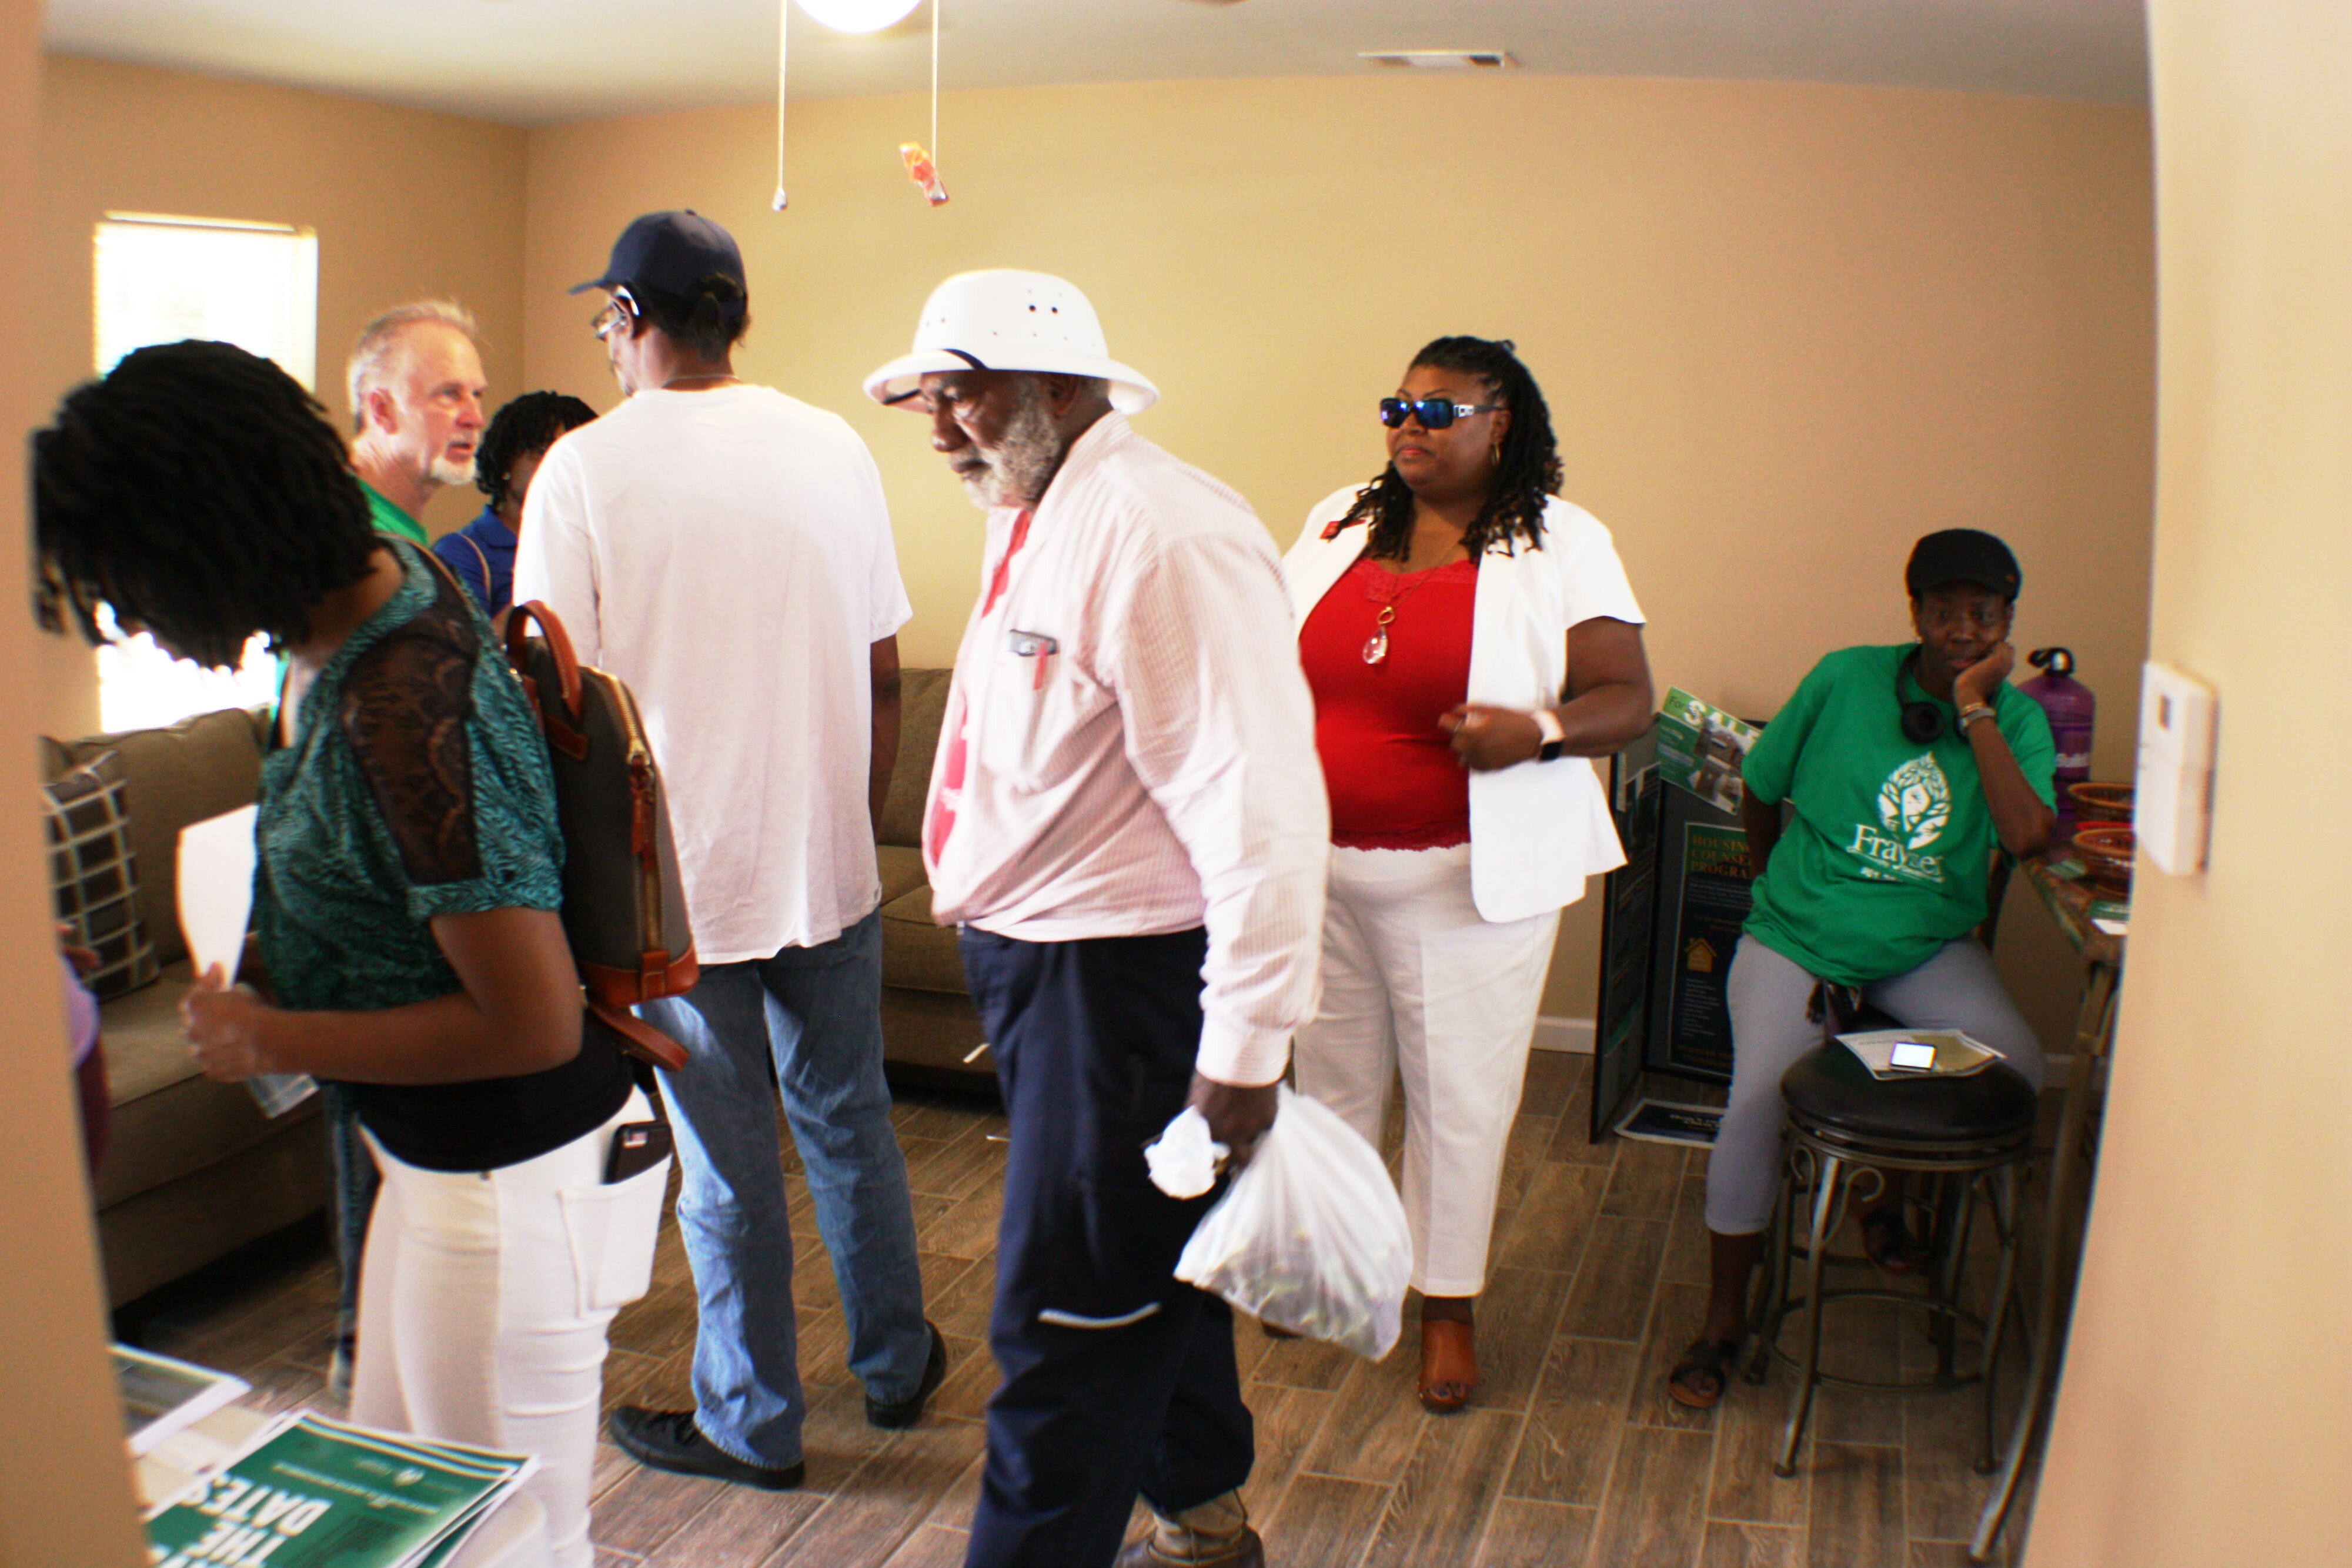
(1435, 412)
(618, 312)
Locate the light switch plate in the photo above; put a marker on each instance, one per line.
(2173, 805)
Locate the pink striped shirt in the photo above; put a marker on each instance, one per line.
(1139, 743)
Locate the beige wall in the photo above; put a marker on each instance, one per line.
(1784, 329)
(2206, 1417)
(64, 1490)
(405, 203)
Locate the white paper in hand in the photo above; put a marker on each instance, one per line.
(216, 865)
(217, 859)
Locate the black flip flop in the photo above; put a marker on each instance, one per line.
(1710, 1358)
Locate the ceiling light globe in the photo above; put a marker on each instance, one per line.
(858, 16)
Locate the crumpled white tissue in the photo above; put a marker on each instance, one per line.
(1183, 1158)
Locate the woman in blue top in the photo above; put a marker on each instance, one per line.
(1908, 767)
(482, 553)
(405, 901)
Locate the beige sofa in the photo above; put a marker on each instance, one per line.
(193, 1168)
(931, 1037)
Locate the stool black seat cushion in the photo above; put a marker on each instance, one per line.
(1831, 1088)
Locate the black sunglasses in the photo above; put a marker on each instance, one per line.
(1435, 412)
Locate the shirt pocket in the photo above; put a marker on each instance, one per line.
(1035, 703)
(611, 1228)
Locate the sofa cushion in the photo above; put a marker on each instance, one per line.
(918, 955)
(197, 768)
(922, 705)
(93, 881)
(168, 1118)
(902, 870)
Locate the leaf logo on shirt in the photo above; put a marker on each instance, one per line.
(1915, 803)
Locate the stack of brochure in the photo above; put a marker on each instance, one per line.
(307, 1492)
(1957, 1055)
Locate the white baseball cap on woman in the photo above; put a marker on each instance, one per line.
(1005, 320)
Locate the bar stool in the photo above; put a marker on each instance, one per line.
(1975, 1133)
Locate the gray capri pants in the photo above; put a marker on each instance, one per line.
(1956, 988)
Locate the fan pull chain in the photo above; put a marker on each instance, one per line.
(784, 36)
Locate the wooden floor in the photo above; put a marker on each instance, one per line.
(1572, 1454)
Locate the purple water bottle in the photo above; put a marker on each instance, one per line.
(2072, 709)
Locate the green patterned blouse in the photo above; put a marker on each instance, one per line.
(415, 785)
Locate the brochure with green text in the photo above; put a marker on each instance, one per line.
(1701, 747)
(308, 1492)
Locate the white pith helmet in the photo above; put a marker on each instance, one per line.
(1002, 320)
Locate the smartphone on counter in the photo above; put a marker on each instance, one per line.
(1912, 1056)
(636, 1146)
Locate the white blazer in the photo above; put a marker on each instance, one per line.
(1538, 829)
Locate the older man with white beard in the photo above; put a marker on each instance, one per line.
(416, 384)
(1128, 819)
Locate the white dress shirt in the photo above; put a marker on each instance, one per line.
(727, 555)
(1538, 829)
(1140, 743)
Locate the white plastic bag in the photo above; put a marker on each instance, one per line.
(1311, 1236)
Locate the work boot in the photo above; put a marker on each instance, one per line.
(1216, 1535)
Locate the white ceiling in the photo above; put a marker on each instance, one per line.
(539, 61)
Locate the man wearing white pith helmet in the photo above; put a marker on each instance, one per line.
(1128, 819)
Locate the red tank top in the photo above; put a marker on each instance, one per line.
(1390, 769)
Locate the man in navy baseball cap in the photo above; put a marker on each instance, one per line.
(709, 524)
(672, 253)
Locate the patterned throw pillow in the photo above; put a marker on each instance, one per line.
(93, 876)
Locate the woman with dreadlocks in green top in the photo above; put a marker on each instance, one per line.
(405, 903)
(1471, 639)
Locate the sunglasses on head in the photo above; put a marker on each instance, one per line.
(1435, 412)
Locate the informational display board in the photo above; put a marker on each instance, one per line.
(1629, 902)
(1670, 923)
(1707, 874)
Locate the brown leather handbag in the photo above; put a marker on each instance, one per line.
(623, 902)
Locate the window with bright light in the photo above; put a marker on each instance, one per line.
(161, 280)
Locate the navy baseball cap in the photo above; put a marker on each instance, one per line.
(669, 253)
(1962, 555)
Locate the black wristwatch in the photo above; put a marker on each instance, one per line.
(1555, 740)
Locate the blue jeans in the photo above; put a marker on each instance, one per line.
(815, 1013)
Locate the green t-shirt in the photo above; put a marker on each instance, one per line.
(387, 518)
(1888, 855)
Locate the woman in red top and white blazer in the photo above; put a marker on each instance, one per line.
(1470, 639)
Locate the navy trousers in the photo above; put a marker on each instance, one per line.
(1116, 1378)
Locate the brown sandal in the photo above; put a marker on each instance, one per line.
(1448, 1362)
(1700, 1379)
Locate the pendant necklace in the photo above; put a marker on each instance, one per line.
(1376, 646)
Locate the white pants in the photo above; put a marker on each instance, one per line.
(484, 1299)
(1416, 985)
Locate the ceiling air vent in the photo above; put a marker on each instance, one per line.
(1439, 59)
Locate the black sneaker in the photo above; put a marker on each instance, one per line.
(669, 1440)
(906, 1413)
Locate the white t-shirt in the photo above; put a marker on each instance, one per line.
(727, 555)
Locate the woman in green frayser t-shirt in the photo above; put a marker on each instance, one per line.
(1908, 768)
